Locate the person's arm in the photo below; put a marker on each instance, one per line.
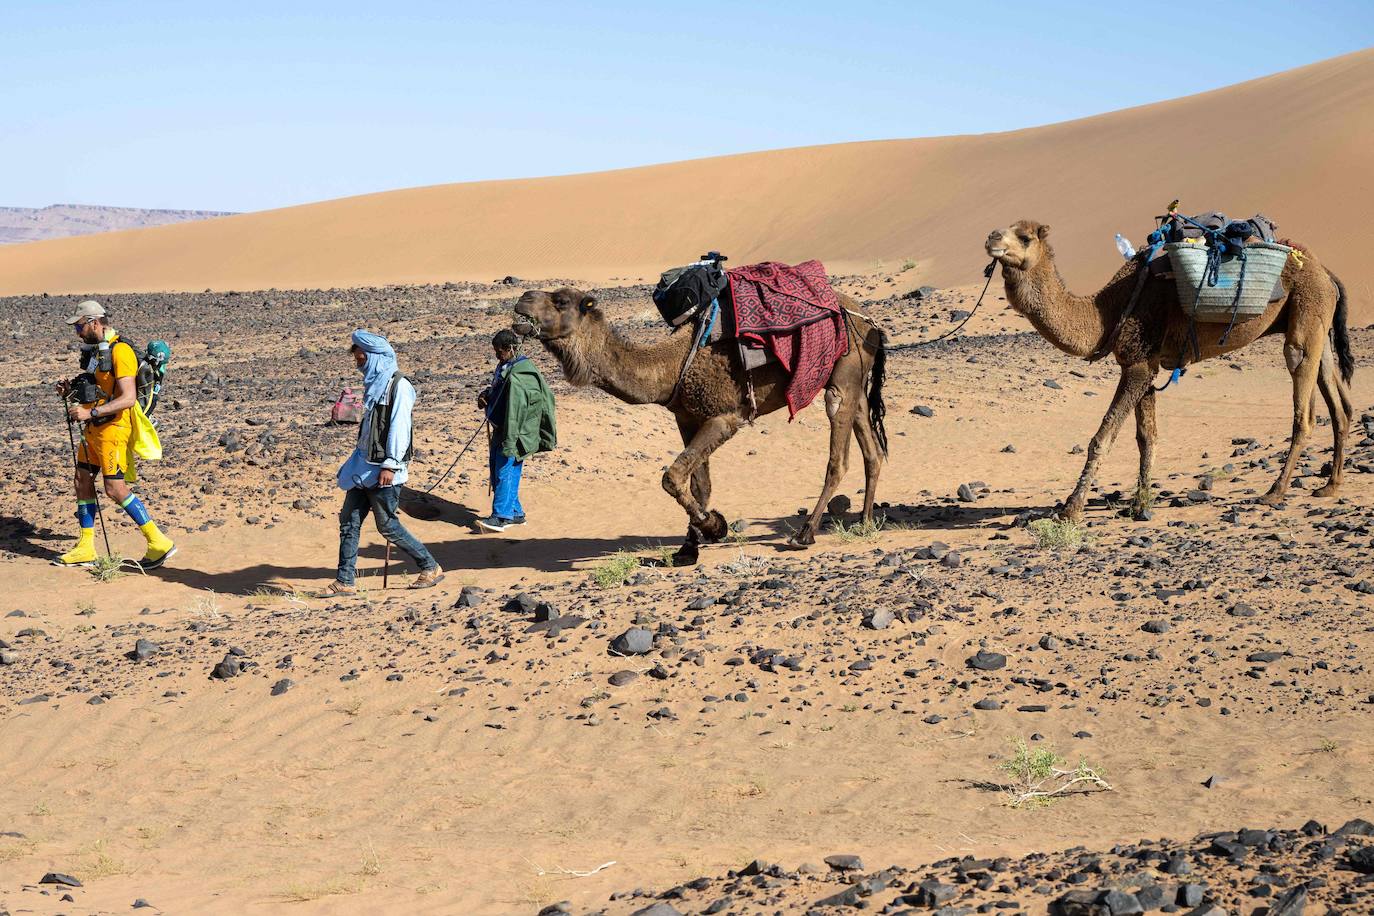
(126, 387)
(398, 436)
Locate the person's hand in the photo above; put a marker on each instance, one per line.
(385, 478)
(482, 401)
(64, 388)
(78, 413)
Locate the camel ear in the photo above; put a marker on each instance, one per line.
(587, 304)
(1043, 231)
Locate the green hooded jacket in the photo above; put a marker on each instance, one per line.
(527, 425)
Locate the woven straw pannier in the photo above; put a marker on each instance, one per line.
(1243, 283)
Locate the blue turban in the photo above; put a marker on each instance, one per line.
(380, 365)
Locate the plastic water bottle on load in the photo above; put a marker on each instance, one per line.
(1124, 246)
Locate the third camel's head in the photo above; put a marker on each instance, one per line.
(553, 315)
(1020, 246)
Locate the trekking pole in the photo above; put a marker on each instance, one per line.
(76, 475)
(386, 566)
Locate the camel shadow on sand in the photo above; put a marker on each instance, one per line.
(924, 518)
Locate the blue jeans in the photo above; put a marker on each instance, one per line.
(505, 484)
(383, 503)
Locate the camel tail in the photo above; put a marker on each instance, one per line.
(1340, 332)
(877, 410)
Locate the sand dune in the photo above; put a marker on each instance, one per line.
(1295, 145)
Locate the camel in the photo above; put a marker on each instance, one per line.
(1156, 336)
(711, 402)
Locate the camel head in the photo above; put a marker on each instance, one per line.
(555, 315)
(1020, 246)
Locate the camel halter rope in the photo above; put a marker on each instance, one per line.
(987, 272)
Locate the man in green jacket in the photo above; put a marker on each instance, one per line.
(519, 405)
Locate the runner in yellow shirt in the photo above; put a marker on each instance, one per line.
(105, 439)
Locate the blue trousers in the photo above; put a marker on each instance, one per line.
(505, 484)
(383, 503)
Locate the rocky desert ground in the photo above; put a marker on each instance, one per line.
(566, 725)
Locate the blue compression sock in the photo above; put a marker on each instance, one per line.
(134, 506)
(85, 512)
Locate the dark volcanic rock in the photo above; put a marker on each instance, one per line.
(143, 650)
(57, 877)
(845, 863)
(634, 641)
(229, 666)
(986, 661)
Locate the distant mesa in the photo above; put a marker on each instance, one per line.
(30, 224)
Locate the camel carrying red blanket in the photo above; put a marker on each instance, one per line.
(793, 312)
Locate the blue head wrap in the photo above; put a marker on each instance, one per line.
(380, 365)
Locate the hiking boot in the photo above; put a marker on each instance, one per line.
(428, 578)
(158, 553)
(518, 520)
(83, 554)
(337, 589)
(494, 523)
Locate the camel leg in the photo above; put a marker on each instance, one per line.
(679, 479)
(1135, 381)
(841, 422)
(1301, 350)
(873, 459)
(1342, 413)
(1145, 432)
(688, 553)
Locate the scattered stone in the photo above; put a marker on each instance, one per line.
(986, 661)
(57, 877)
(143, 650)
(844, 863)
(879, 619)
(634, 641)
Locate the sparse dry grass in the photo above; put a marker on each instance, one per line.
(100, 862)
(616, 570)
(9, 851)
(1057, 534)
(107, 568)
(1038, 776)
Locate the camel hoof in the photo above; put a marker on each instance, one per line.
(1330, 489)
(1270, 499)
(714, 529)
(802, 539)
(687, 555)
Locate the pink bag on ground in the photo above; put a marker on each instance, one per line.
(349, 406)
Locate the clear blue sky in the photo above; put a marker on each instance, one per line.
(246, 105)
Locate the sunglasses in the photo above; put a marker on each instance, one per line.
(81, 325)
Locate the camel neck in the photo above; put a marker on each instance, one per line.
(635, 374)
(1073, 323)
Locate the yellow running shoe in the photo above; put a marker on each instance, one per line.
(83, 554)
(160, 546)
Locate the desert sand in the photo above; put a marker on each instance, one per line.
(441, 752)
(1294, 145)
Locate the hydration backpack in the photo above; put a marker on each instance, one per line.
(148, 379)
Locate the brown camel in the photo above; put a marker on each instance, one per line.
(711, 403)
(1156, 336)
